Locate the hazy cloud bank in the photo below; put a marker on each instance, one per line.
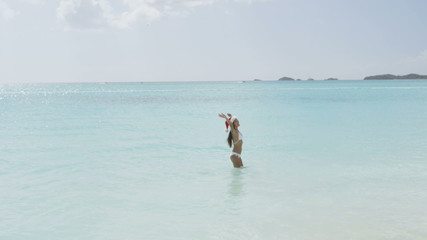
(93, 14)
(7, 12)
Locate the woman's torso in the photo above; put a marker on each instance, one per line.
(237, 142)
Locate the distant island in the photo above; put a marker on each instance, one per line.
(310, 79)
(391, 76)
(286, 79)
(375, 77)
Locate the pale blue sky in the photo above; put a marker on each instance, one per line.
(209, 40)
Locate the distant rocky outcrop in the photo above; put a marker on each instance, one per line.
(286, 79)
(257, 80)
(391, 76)
(331, 79)
(310, 79)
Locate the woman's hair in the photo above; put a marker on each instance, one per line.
(230, 136)
(230, 139)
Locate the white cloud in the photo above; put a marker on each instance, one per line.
(36, 1)
(87, 14)
(80, 14)
(195, 3)
(422, 56)
(412, 64)
(6, 12)
(136, 11)
(67, 7)
(420, 60)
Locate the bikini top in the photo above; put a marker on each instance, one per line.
(240, 137)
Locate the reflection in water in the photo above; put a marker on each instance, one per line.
(235, 196)
(236, 186)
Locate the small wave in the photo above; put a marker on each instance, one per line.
(397, 87)
(351, 88)
(102, 91)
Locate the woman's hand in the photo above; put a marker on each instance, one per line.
(222, 115)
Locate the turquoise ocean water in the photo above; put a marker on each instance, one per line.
(323, 160)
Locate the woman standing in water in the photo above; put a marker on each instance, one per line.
(234, 139)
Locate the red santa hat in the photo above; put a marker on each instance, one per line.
(231, 119)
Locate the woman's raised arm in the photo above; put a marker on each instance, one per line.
(227, 119)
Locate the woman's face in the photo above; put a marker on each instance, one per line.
(236, 123)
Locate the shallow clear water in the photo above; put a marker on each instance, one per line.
(323, 160)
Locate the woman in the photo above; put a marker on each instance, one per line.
(234, 139)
